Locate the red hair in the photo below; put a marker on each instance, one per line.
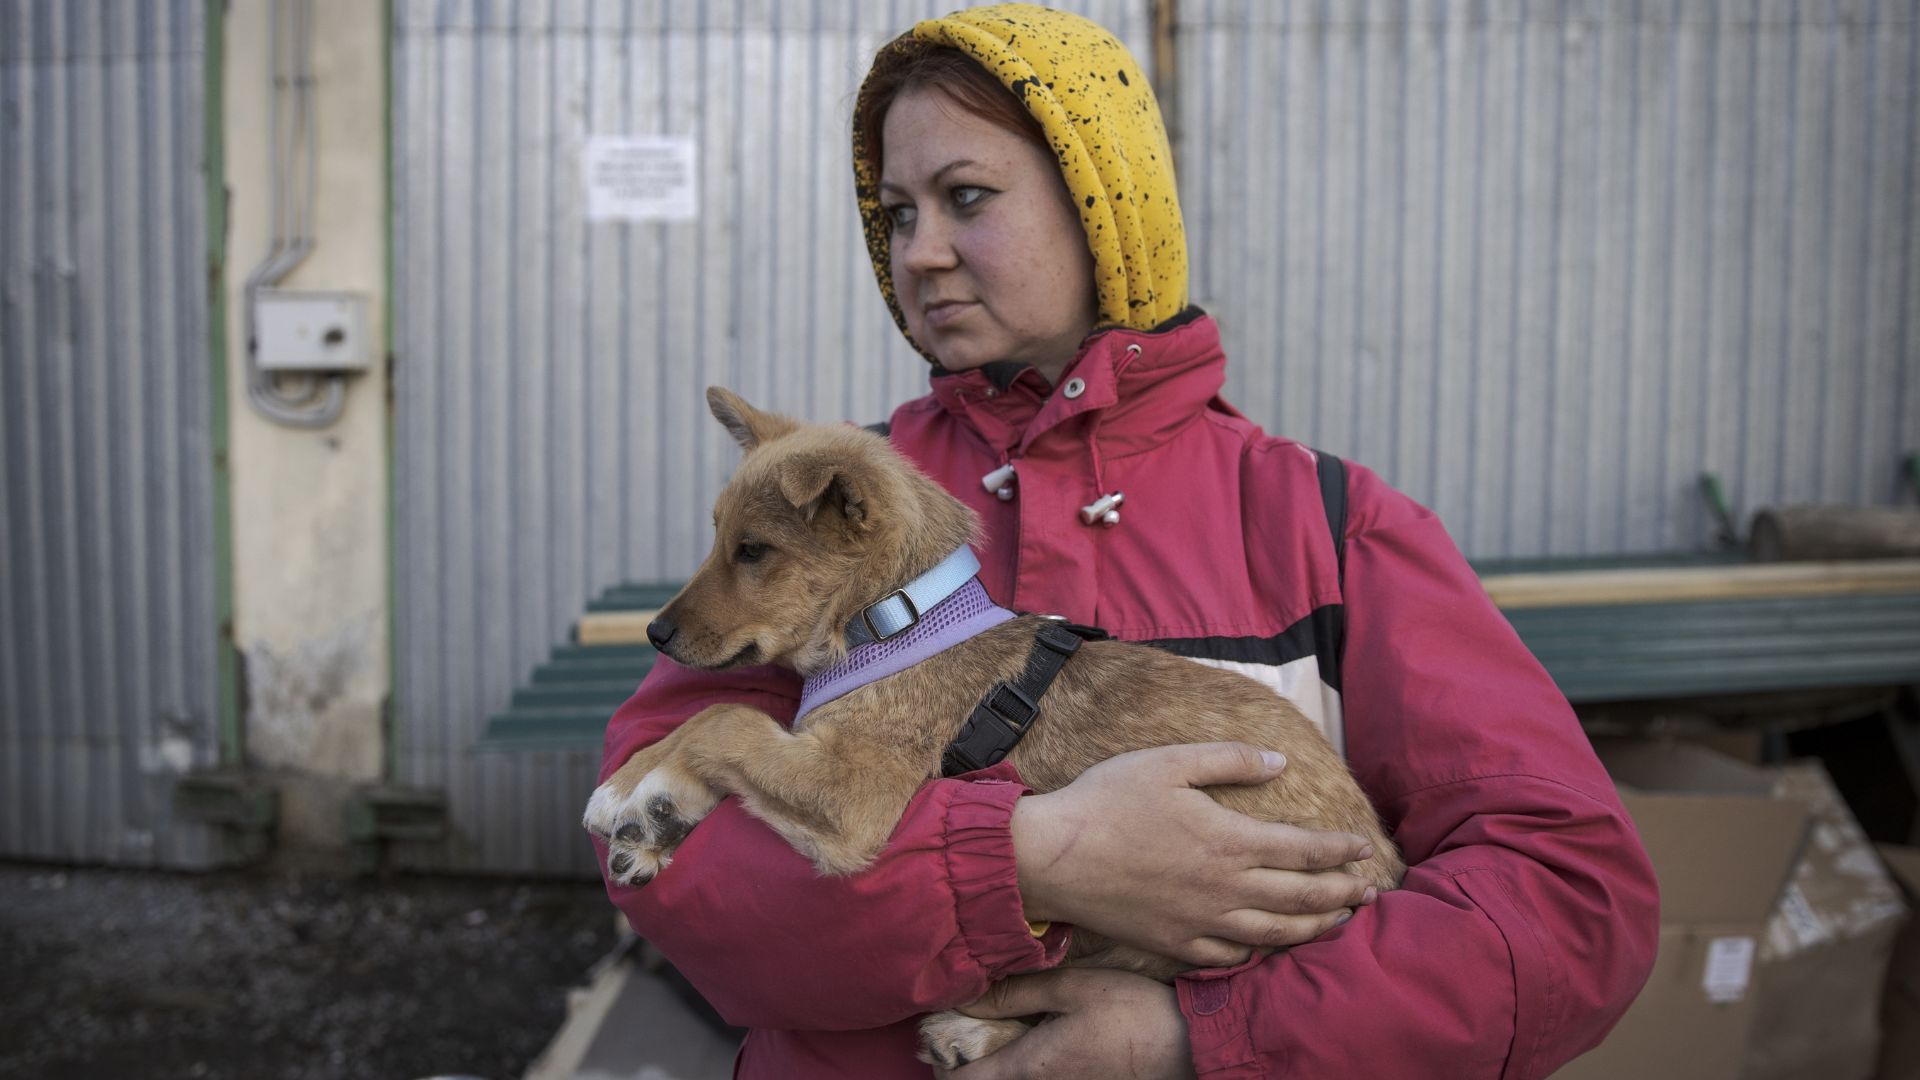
(910, 64)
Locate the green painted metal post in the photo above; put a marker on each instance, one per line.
(392, 717)
(214, 162)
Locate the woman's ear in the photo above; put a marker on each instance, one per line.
(749, 426)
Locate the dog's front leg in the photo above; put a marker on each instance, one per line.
(649, 805)
(834, 795)
(834, 798)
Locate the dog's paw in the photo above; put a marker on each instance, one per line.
(643, 826)
(951, 1039)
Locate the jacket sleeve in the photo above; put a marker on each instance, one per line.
(1529, 916)
(933, 922)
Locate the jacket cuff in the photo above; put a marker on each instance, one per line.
(1218, 1033)
(986, 881)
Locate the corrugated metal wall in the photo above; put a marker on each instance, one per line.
(550, 431)
(107, 645)
(1540, 263)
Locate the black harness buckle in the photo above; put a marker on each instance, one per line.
(1018, 714)
(1002, 718)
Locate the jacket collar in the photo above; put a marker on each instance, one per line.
(1140, 387)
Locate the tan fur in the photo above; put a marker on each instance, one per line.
(846, 521)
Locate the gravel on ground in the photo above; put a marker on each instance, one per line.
(251, 974)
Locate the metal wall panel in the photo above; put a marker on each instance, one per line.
(1542, 263)
(107, 644)
(551, 437)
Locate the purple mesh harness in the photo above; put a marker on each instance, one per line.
(953, 620)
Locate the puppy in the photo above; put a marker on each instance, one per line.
(818, 523)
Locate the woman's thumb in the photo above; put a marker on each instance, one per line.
(1204, 764)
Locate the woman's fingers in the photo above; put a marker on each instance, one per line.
(1210, 952)
(1284, 892)
(1132, 850)
(1289, 847)
(1202, 764)
(1270, 931)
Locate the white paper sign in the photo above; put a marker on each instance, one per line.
(640, 177)
(1729, 968)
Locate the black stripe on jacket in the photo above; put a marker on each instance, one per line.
(1317, 635)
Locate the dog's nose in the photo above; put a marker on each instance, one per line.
(660, 631)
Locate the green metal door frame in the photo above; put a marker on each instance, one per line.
(391, 713)
(214, 163)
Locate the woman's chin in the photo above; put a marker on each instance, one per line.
(960, 364)
(961, 359)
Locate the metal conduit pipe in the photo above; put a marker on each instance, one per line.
(292, 217)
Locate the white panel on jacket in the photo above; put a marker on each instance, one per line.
(1299, 682)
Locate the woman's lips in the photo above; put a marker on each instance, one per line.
(946, 311)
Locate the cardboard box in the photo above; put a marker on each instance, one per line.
(1823, 959)
(1722, 846)
(1747, 745)
(1900, 1003)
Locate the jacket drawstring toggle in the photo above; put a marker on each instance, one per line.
(1105, 510)
(1000, 482)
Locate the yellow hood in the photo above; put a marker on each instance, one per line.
(1099, 113)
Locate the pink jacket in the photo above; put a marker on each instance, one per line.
(1528, 919)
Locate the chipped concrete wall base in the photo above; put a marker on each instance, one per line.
(302, 714)
(309, 507)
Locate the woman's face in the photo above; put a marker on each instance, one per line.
(989, 260)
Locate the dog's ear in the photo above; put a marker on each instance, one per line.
(811, 482)
(749, 426)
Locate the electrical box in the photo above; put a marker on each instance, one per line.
(299, 330)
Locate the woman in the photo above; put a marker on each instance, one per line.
(1017, 192)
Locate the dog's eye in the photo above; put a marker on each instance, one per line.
(749, 552)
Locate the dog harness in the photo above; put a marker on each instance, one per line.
(932, 613)
(1002, 718)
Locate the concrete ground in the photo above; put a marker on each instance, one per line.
(632, 1023)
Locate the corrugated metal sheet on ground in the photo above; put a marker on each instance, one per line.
(1538, 263)
(107, 641)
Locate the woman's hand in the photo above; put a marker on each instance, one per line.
(1132, 851)
(1102, 1024)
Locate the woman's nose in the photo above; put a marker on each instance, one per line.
(928, 247)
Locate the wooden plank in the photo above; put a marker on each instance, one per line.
(614, 627)
(1517, 591)
(1894, 613)
(1522, 592)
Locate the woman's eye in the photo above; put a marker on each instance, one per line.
(746, 552)
(965, 196)
(900, 216)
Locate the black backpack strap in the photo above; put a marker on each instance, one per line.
(1333, 496)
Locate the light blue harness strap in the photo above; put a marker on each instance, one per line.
(900, 609)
